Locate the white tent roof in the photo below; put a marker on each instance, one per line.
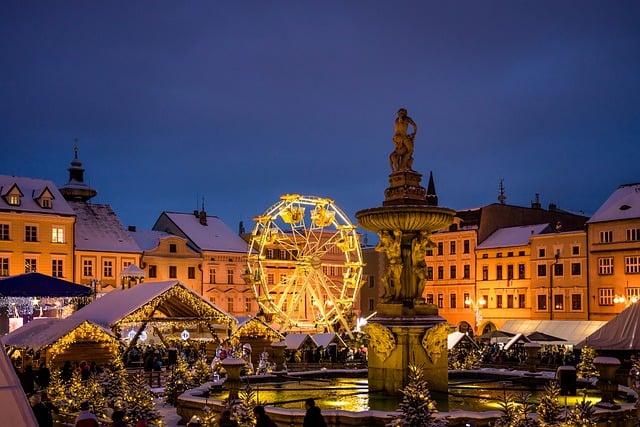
(133, 270)
(15, 408)
(41, 332)
(620, 333)
(572, 331)
(515, 339)
(455, 337)
(120, 303)
(323, 340)
(295, 341)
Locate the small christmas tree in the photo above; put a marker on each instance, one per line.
(242, 410)
(586, 368)
(515, 411)
(138, 401)
(57, 391)
(178, 381)
(582, 415)
(201, 372)
(114, 381)
(549, 408)
(417, 407)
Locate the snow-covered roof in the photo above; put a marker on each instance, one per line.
(133, 270)
(148, 240)
(620, 333)
(512, 236)
(572, 331)
(29, 187)
(323, 340)
(14, 405)
(43, 331)
(178, 301)
(455, 337)
(98, 228)
(215, 236)
(624, 203)
(246, 321)
(295, 341)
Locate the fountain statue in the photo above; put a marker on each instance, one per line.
(406, 329)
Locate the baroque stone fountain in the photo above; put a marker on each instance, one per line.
(405, 329)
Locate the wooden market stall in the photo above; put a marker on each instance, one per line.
(258, 334)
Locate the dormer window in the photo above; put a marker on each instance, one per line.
(14, 199)
(46, 203)
(13, 195)
(44, 198)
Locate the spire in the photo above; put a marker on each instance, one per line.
(501, 196)
(432, 198)
(76, 189)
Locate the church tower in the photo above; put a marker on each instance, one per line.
(76, 190)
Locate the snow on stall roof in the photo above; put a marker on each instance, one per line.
(512, 236)
(324, 339)
(572, 331)
(148, 240)
(98, 228)
(215, 236)
(43, 331)
(455, 337)
(623, 203)
(28, 187)
(294, 341)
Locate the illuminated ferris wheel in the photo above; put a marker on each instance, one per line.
(305, 264)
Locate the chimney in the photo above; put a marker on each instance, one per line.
(195, 213)
(203, 217)
(552, 207)
(132, 228)
(536, 202)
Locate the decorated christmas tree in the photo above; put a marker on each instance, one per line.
(138, 401)
(549, 408)
(242, 409)
(178, 381)
(586, 368)
(581, 415)
(57, 391)
(515, 411)
(464, 357)
(114, 381)
(417, 408)
(201, 372)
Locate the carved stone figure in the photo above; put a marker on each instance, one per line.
(391, 245)
(381, 339)
(419, 246)
(435, 341)
(402, 156)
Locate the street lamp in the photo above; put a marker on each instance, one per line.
(476, 306)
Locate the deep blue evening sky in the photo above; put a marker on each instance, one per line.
(242, 101)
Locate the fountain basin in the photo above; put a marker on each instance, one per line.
(409, 218)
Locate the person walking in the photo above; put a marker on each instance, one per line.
(86, 418)
(262, 419)
(313, 417)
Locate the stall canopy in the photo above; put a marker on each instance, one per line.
(64, 339)
(456, 338)
(40, 285)
(324, 340)
(516, 339)
(570, 332)
(542, 337)
(620, 333)
(154, 303)
(14, 405)
(299, 341)
(255, 327)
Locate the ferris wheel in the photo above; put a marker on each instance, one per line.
(305, 264)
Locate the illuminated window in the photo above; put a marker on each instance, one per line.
(558, 302)
(56, 268)
(632, 264)
(14, 200)
(605, 296)
(30, 233)
(271, 278)
(429, 298)
(605, 266)
(4, 231)
(30, 265)
(4, 267)
(440, 301)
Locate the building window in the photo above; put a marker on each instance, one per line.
(521, 271)
(575, 250)
(605, 266)
(429, 298)
(440, 248)
(452, 300)
(173, 272)
(452, 271)
(576, 302)
(466, 272)
(230, 305)
(509, 301)
(484, 256)
(498, 272)
(498, 301)
(4, 267)
(605, 296)
(372, 281)
(14, 200)
(606, 236)
(558, 302)
(429, 252)
(510, 271)
(521, 301)
(633, 293)
(30, 265)
(558, 270)
(440, 272)
(541, 253)
(372, 304)
(230, 277)
(153, 271)
(499, 255)
(452, 248)
(466, 297)
(542, 270)
(632, 264)
(191, 272)
(248, 305)
(107, 268)
(520, 253)
(509, 254)
(87, 268)
(440, 300)
(429, 273)
(4, 231)
(542, 302)
(212, 275)
(56, 268)
(465, 246)
(575, 269)
(172, 247)
(271, 278)
(269, 253)
(30, 233)
(57, 235)
(633, 234)
(485, 272)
